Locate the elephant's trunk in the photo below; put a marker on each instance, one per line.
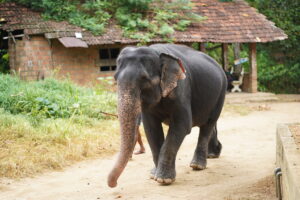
(129, 107)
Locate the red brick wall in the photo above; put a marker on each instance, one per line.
(36, 58)
(30, 58)
(78, 64)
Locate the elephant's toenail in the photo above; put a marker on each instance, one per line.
(160, 180)
(168, 181)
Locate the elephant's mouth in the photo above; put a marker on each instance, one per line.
(167, 121)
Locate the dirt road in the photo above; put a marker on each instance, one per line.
(243, 171)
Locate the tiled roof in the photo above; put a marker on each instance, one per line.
(226, 22)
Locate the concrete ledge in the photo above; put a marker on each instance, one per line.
(288, 159)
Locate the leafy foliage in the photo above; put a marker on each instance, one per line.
(4, 61)
(139, 19)
(279, 68)
(52, 99)
(276, 77)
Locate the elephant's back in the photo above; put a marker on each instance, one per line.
(208, 83)
(204, 76)
(194, 61)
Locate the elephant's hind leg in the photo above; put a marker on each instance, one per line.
(214, 145)
(199, 160)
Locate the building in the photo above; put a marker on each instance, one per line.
(37, 47)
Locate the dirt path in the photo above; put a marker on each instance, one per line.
(242, 172)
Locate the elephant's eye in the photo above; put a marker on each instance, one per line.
(145, 82)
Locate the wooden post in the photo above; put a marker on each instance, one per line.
(253, 68)
(236, 51)
(202, 47)
(225, 62)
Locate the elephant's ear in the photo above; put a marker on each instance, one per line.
(172, 71)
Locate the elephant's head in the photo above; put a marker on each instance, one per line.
(144, 76)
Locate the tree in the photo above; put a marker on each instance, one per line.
(280, 71)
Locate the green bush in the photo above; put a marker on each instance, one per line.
(278, 78)
(4, 61)
(279, 62)
(53, 99)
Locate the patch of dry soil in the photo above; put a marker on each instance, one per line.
(295, 129)
(244, 170)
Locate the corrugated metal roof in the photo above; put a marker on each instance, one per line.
(226, 22)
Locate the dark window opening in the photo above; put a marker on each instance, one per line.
(114, 53)
(104, 54)
(4, 57)
(3, 43)
(18, 34)
(108, 58)
(105, 68)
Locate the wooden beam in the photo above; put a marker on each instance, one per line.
(214, 47)
(12, 36)
(253, 68)
(225, 62)
(236, 51)
(202, 47)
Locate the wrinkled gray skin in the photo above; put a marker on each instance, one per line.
(151, 80)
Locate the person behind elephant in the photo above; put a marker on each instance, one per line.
(139, 137)
(171, 84)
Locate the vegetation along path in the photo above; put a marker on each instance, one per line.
(244, 170)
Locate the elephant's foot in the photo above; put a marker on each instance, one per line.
(214, 151)
(212, 155)
(165, 176)
(165, 181)
(198, 164)
(152, 173)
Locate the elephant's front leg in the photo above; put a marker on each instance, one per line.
(155, 137)
(165, 171)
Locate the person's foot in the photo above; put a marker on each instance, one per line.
(142, 150)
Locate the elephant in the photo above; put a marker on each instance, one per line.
(172, 84)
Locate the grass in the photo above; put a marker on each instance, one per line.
(26, 150)
(51, 124)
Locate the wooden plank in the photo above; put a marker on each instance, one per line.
(225, 62)
(13, 36)
(253, 68)
(214, 47)
(72, 42)
(202, 47)
(236, 52)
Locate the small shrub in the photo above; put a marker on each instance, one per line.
(4, 61)
(53, 99)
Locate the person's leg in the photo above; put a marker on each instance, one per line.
(139, 140)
